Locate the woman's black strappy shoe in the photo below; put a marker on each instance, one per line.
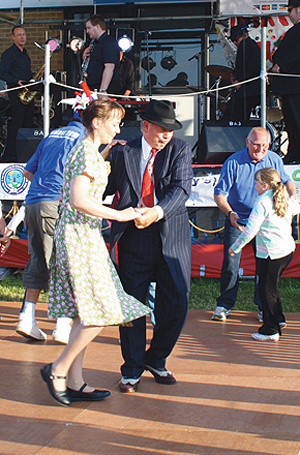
(80, 395)
(61, 397)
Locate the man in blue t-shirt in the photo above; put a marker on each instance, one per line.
(235, 195)
(45, 171)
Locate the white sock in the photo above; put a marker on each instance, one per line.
(29, 312)
(63, 324)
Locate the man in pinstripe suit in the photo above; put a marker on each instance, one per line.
(157, 247)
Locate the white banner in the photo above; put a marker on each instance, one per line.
(294, 172)
(202, 194)
(242, 8)
(13, 185)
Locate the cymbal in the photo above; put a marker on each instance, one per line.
(219, 70)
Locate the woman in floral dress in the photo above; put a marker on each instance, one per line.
(84, 284)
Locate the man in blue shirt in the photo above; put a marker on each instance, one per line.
(45, 171)
(235, 195)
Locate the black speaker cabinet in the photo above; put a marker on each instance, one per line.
(27, 141)
(218, 140)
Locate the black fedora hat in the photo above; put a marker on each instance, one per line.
(237, 31)
(161, 113)
(293, 3)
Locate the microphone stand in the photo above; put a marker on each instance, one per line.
(197, 57)
(244, 73)
(147, 33)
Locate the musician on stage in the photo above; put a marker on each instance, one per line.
(286, 60)
(126, 74)
(181, 80)
(101, 58)
(15, 70)
(247, 65)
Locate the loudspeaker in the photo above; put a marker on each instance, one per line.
(218, 140)
(27, 141)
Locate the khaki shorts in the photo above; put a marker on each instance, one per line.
(40, 220)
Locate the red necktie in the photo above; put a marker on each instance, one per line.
(147, 194)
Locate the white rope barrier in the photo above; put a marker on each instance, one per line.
(78, 89)
(263, 75)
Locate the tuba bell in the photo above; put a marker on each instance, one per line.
(26, 96)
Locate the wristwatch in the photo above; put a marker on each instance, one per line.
(102, 90)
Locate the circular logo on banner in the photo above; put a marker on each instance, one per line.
(12, 180)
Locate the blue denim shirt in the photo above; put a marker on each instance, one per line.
(237, 180)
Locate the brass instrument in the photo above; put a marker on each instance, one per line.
(26, 96)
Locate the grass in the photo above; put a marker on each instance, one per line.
(204, 292)
(11, 289)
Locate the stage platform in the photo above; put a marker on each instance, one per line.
(234, 395)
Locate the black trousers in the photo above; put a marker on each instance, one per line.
(269, 273)
(291, 112)
(21, 117)
(140, 262)
(239, 109)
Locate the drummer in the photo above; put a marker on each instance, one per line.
(286, 60)
(247, 65)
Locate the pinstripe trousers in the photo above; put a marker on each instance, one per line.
(140, 262)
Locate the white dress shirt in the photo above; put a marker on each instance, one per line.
(146, 155)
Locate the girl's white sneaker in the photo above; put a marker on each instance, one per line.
(262, 337)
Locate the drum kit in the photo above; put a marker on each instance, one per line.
(274, 114)
(220, 72)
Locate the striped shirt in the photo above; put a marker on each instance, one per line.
(273, 233)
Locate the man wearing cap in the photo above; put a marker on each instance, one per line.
(286, 60)
(247, 66)
(154, 174)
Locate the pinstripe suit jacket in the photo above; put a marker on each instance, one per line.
(173, 176)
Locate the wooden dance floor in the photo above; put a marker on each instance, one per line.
(234, 395)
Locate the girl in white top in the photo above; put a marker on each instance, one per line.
(270, 221)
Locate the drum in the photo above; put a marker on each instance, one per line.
(273, 133)
(224, 102)
(274, 109)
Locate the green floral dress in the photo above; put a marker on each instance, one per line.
(83, 280)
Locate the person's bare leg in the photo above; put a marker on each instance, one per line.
(32, 295)
(75, 375)
(67, 363)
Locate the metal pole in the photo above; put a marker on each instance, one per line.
(47, 91)
(148, 62)
(263, 72)
(206, 76)
(21, 12)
